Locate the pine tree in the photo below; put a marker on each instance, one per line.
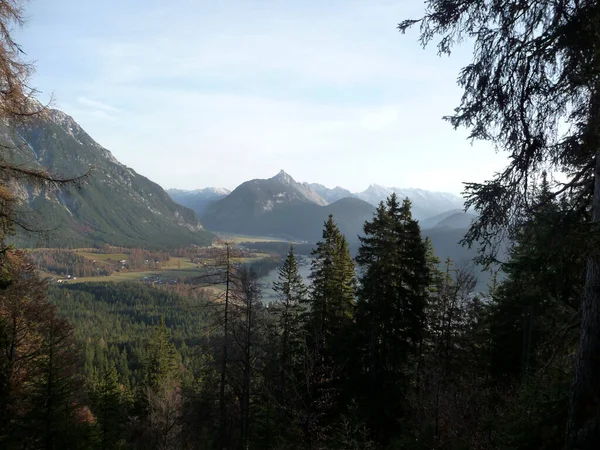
(543, 283)
(161, 369)
(159, 395)
(39, 402)
(289, 330)
(532, 90)
(109, 406)
(394, 286)
(328, 323)
(247, 336)
(332, 298)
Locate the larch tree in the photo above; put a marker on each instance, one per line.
(533, 91)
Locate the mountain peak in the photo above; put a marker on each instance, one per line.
(284, 177)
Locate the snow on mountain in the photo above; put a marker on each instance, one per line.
(425, 204)
(304, 188)
(198, 199)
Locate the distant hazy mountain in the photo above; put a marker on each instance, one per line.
(424, 203)
(331, 195)
(454, 218)
(198, 199)
(458, 220)
(280, 206)
(241, 209)
(116, 205)
(304, 188)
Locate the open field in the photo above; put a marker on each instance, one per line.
(102, 256)
(240, 238)
(176, 267)
(135, 276)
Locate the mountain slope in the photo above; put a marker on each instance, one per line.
(116, 205)
(255, 198)
(273, 207)
(303, 188)
(197, 200)
(457, 220)
(301, 221)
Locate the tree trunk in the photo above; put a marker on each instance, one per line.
(222, 409)
(584, 413)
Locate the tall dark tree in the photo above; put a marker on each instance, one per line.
(533, 90)
(541, 291)
(159, 397)
(328, 322)
(332, 294)
(109, 404)
(392, 296)
(287, 311)
(40, 404)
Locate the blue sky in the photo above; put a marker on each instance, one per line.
(216, 92)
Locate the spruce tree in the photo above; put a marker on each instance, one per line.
(161, 369)
(159, 396)
(288, 313)
(328, 323)
(392, 297)
(332, 299)
(109, 406)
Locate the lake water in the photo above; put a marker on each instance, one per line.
(267, 282)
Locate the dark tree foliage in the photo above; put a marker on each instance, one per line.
(287, 312)
(392, 299)
(329, 317)
(533, 90)
(40, 381)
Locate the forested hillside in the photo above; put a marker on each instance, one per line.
(113, 203)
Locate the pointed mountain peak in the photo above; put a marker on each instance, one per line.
(284, 177)
(377, 188)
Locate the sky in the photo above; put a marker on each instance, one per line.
(216, 92)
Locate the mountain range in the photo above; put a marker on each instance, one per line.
(115, 205)
(118, 206)
(198, 199)
(282, 207)
(426, 205)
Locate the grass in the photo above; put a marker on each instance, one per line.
(176, 267)
(241, 239)
(102, 256)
